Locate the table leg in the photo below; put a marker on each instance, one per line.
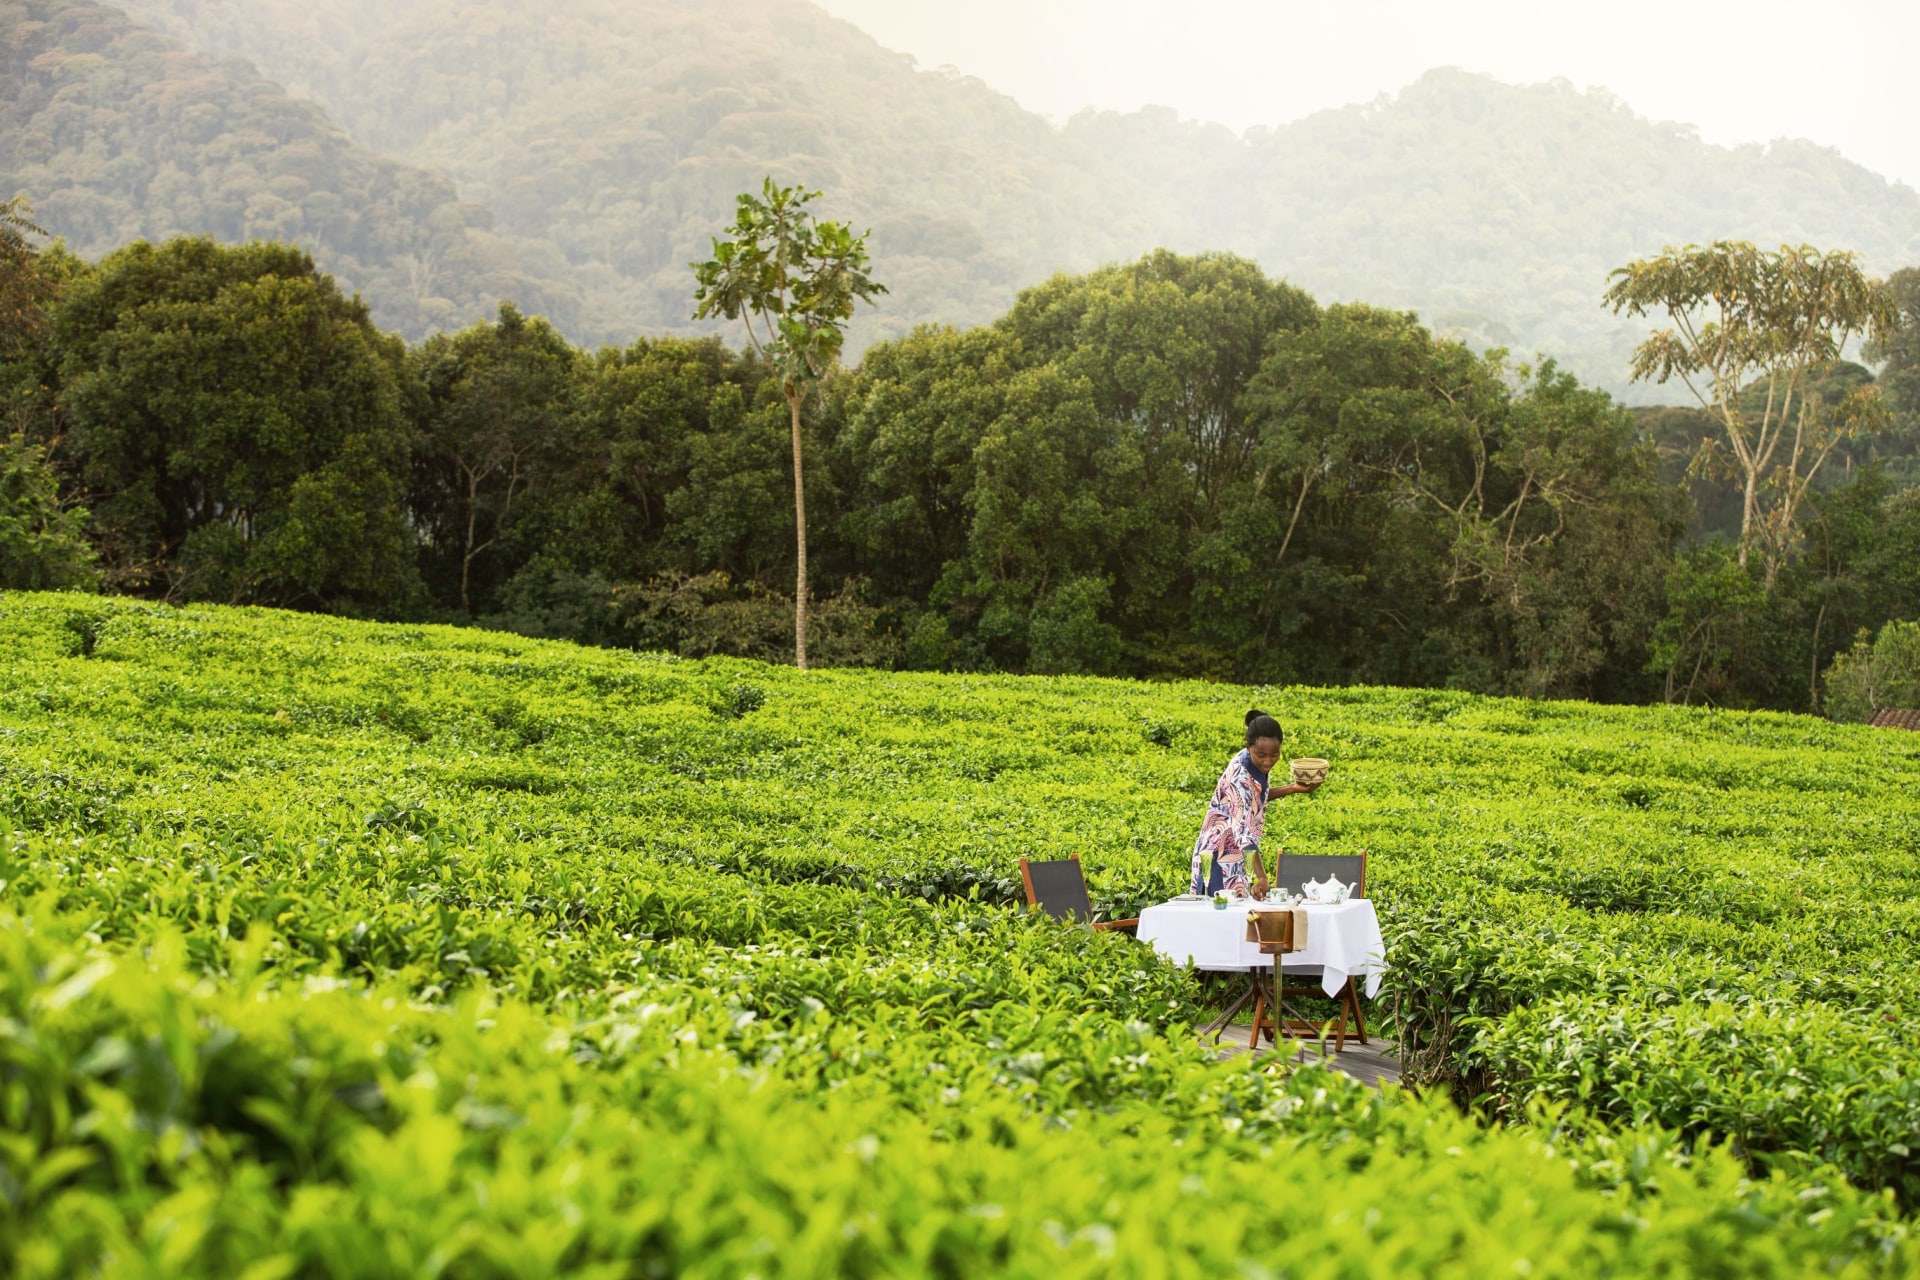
(1218, 1026)
(1265, 995)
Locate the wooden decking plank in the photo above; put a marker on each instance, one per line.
(1372, 1064)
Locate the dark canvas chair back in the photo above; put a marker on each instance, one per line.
(1296, 869)
(1059, 888)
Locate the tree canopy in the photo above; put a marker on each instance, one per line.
(1176, 466)
(238, 425)
(1752, 330)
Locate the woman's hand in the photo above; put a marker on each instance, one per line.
(1292, 789)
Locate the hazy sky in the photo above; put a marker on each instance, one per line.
(1835, 73)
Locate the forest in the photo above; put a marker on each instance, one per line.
(439, 158)
(1175, 467)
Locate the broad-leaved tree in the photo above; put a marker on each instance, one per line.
(1743, 315)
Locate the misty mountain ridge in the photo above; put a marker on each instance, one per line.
(585, 155)
(117, 133)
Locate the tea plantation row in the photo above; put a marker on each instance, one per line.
(339, 949)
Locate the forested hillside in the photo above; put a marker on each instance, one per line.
(116, 133)
(612, 137)
(608, 139)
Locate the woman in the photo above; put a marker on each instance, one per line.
(1230, 836)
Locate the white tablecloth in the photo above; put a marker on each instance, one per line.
(1343, 940)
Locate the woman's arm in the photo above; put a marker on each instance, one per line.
(1247, 805)
(1259, 867)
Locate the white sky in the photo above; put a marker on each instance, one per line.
(1836, 73)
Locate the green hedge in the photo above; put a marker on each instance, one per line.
(158, 1124)
(334, 945)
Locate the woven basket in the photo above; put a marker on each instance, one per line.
(1309, 772)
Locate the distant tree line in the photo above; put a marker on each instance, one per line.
(1174, 467)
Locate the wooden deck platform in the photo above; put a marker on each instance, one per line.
(1372, 1064)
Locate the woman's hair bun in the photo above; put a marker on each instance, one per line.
(1261, 725)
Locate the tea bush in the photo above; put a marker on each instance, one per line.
(338, 949)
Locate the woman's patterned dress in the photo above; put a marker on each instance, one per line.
(1235, 819)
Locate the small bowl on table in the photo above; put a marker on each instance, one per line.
(1310, 772)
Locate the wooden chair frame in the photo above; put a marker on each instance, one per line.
(1349, 997)
(1349, 1003)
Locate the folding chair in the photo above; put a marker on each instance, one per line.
(1291, 872)
(1059, 888)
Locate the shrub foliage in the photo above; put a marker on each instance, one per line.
(334, 948)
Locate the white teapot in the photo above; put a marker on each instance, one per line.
(1326, 894)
